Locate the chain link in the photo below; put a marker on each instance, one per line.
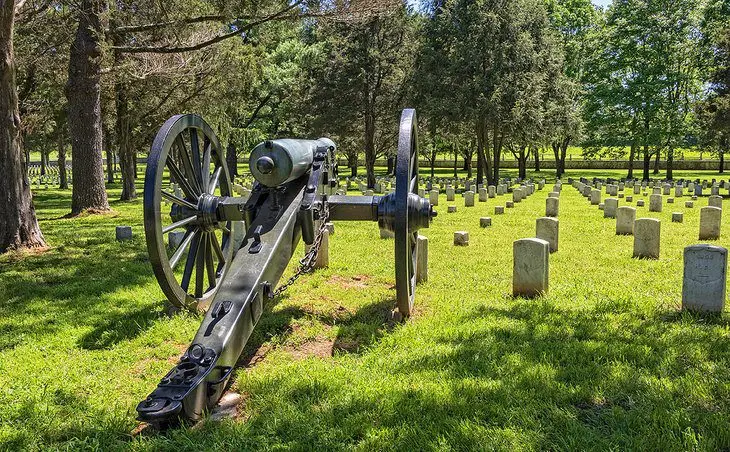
(306, 264)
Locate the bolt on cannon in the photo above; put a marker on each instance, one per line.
(234, 251)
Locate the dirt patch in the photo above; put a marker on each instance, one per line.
(320, 348)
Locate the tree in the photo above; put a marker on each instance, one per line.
(18, 224)
(84, 110)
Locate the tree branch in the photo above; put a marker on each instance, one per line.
(187, 21)
(281, 15)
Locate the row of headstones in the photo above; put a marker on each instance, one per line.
(52, 176)
(648, 243)
(703, 286)
(613, 188)
(546, 226)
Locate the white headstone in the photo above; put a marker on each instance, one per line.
(530, 268)
(705, 278)
(547, 229)
(710, 221)
(647, 238)
(421, 259)
(461, 238)
(625, 217)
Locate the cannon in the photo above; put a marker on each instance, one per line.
(231, 252)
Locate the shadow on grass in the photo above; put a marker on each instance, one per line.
(119, 328)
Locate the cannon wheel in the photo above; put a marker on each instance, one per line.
(190, 274)
(406, 182)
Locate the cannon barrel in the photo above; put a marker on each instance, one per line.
(276, 162)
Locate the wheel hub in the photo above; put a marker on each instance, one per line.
(208, 211)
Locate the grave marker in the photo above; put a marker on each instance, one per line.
(530, 267)
(647, 233)
(705, 278)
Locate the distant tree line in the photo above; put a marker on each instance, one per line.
(96, 78)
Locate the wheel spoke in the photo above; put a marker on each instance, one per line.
(218, 250)
(175, 259)
(214, 180)
(209, 265)
(172, 198)
(190, 173)
(190, 263)
(205, 168)
(195, 154)
(179, 224)
(180, 179)
(200, 266)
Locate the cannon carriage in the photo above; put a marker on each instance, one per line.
(232, 252)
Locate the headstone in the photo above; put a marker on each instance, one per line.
(710, 219)
(492, 191)
(517, 195)
(498, 210)
(482, 194)
(433, 197)
(629, 199)
(670, 200)
(530, 268)
(677, 217)
(509, 204)
(637, 189)
(601, 206)
(450, 194)
(595, 197)
(461, 238)
(553, 194)
(655, 203)
(552, 207)
(547, 229)
(469, 199)
(625, 217)
(485, 222)
(656, 191)
(647, 233)
(689, 204)
(323, 255)
(421, 259)
(609, 208)
(715, 201)
(705, 278)
(678, 191)
(175, 239)
(124, 233)
(666, 189)
(451, 209)
(371, 193)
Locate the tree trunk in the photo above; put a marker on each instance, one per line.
(722, 162)
(670, 163)
(656, 161)
(62, 177)
(496, 155)
(537, 159)
(370, 148)
(556, 152)
(84, 110)
(123, 126)
(18, 224)
(647, 162)
(456, 160)
(232, 160)
(632, 155)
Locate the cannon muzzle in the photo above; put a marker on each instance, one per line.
(276, 162)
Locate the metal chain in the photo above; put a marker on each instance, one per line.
(306, 264)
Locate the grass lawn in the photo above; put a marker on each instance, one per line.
(603, 361)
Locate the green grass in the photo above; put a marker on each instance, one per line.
(603, 361)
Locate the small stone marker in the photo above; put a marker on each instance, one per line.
(554, 194)
(655, 203)
(629, 199)
(498, 210)
(461, 238)
(601, 206)
(451, 209)
(647, 233)
(705, 278)
(124, 233)
(547, 229)
(670, 200)
(677, 217)
(421, 259)
(509, 204)
(609, 208)
(625, 217)
(552, 207)
(715, 201)
(689, 204)
(710, 218)
(530, 268)
(485, 222)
